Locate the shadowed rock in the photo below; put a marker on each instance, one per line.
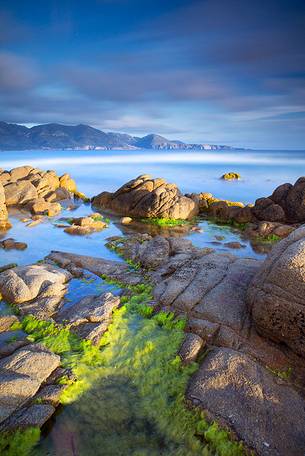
(277, 293)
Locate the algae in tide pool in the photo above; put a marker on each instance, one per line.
(132, 401)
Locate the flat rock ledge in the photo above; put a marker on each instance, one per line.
(247, 381)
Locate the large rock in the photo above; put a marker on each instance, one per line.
(267, 414)
(21, 375)
(20, 193)
(20, 172)
(266, 209)
(36, 289)
(3, 209)
(287, 203)
(147, 197)
(277, 293)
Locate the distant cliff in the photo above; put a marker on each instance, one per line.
(84, 137)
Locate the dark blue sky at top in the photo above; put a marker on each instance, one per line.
(222, 71)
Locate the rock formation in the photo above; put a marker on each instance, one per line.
(33, 189)
(277, 293)
(148, 197)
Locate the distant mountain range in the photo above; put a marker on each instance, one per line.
(84, 137)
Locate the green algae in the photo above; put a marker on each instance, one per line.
(19, 442)
(165, 222)
(132, 401)
(129, 396)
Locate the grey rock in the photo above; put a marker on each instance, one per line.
(22, 374)
(232, 387)
(36, 289)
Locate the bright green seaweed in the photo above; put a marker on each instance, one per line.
(129, 397)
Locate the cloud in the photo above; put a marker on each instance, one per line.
(16, 73)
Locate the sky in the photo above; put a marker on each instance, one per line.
(209, 71)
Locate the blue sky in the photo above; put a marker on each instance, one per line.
(218, 71)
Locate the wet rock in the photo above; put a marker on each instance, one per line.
(10, 244)
(154, 253)
(190, 348)
(7, 266)
(36, 289)
(86, 225)
(21, 375)
(148, 197)
(249, 399)
(277, 293)
(42, 207)
(234, 245)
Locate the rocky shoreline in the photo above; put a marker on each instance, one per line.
(243, 317)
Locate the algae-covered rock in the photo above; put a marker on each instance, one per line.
(230, 176)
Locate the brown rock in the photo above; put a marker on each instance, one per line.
(20, 172)
(9, 244)
(68, 183)
(277, 293)
(190, 348)
(266, 209)
(147, 197)
(19, 193)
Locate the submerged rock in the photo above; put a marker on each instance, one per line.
(86, 225)
(10, 243)
(148, 197)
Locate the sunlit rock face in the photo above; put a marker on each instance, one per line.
(148, 197)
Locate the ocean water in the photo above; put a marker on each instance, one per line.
(96, 171)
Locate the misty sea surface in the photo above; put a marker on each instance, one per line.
(110, 418)
(96, 171)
